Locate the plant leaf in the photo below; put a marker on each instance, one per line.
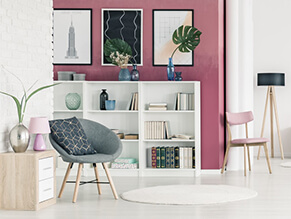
(39, 89)
(113, 45)
(187, 38)
(18, 105)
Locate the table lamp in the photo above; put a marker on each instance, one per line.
(39, 126)
(271, 80)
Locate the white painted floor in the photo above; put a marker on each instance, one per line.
(273, 200)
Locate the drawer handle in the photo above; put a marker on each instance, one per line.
(47, 168)
(47, 189)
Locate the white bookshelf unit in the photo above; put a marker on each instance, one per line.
(132, 121)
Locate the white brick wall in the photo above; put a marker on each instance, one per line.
(26, 50)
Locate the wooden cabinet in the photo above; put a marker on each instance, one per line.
(27, 180)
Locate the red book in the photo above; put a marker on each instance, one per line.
(154, 157)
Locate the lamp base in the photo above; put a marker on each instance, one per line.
(39, 144)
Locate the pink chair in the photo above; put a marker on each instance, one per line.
(239, 119)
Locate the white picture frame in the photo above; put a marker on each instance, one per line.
(132, 34)
(72, 36)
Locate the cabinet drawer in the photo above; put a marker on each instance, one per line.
(46, 189)
(46, 168)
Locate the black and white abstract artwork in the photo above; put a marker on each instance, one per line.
(125, 24)
(72, 36)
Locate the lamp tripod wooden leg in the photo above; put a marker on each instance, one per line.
(273, 105)
(65, 179)
(110, 180)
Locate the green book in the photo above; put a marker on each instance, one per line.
(193, 157)
(177, 157)
(163, 157)
(168, 158)
(158, 157)
(172, 157)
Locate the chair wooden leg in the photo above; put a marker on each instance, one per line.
(259, 151)
(249, 158)
(65, 179)
(267, 157)
(77, 182)
(225, 158)
(110, 180)
(97, 177)
(245, 160)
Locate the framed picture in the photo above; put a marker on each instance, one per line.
(125, 24)
(165, 22)
(72, 36)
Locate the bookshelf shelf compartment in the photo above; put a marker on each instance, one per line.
(132, 121)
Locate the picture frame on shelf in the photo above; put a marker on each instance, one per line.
(165, 22)
(72, 36)
(125, 24)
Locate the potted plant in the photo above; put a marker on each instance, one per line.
(19, 134)
(119, 53)
(187, 38)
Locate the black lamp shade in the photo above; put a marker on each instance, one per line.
(271, 79)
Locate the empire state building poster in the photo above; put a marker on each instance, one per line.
(72, 35)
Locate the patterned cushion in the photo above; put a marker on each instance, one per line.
(70, 135)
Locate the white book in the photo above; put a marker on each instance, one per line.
(181, 154)
(129, 102)
(190, 157)
(158, 104)
(179, 101)
(163, 130)
(185, 161)
(184, 101)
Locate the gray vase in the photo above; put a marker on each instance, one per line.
(19, 138)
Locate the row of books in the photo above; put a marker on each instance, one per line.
(182, 157)
(156, 130)
(133, 103)
(184, 101)
(124, 163)
(158, 106)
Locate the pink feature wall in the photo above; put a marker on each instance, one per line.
(208, 56)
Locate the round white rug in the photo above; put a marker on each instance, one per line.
(189, 194)
(286, 164)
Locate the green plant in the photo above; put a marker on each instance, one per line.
(187, 38)
(117, 51)
(21, 104)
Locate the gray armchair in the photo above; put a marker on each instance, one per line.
(108, 147)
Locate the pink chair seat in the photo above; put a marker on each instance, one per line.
(249, 140)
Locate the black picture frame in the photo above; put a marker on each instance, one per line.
(81, 52)
(126, 24)
(157, 14)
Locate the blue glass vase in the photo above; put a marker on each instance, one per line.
(178, 76)
(134, 73)
(124, 75)
(171, 70)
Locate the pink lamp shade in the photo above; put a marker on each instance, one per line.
(39, 126)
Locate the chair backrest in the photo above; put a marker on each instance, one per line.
(239, 118)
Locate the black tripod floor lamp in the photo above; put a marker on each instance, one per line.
(271, 80)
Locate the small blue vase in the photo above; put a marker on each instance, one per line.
(178, 76)
(171, 70)
(124, 75)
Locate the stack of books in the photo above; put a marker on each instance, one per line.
(133, 103)
(124, 163)
(182, 157)
(131, 136)
(158, 106)
(184, 101)
(156, 130)
(182, 137)
(119, 134)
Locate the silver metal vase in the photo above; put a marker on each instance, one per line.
(19, 138)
